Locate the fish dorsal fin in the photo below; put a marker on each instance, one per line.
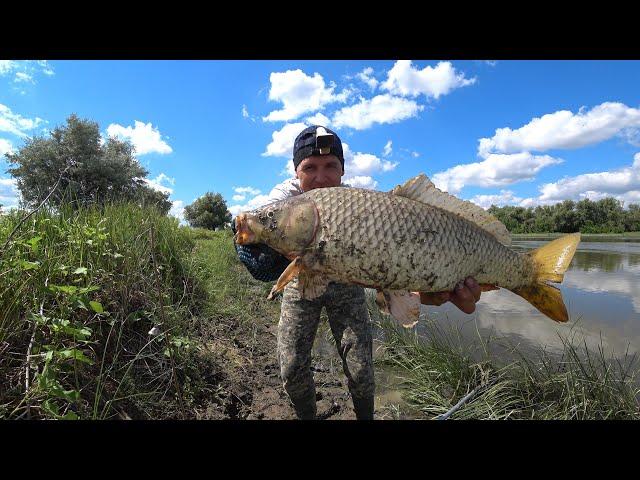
(421, 189)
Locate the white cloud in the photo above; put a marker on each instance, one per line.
(249, 190)
(144, 137)
(5, 147)
(23, 77)
(245, 113)
(177, 210)
(299, 94)
(46, 68)
(505, 197)
(366, 77)
(318, 119)
(631, 136)
(415, 154)
(623, 183)
(15, 123)
(495, 171)
(491, 63)
(9, 193)
(364, 163)
(7, 66)
(360, 181)
(405, 80)
(387, 149)
(379, 109)
(565, 130)
(260, 200)
(282, 140)
(157, 183)
(25, 70)
(241, 193)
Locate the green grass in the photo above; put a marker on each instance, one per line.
(79, 292)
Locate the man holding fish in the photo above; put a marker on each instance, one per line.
(319, 163)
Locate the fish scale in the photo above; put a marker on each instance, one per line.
(393, 242)
(414, 238)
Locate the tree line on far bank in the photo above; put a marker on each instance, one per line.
(607, 215)
(74, 167)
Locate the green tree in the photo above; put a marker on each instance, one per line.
(632, 218)
(88, 171)
(208, 211)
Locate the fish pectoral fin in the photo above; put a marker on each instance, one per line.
(403, 306)
(312, 285)
(381, 302)
(292, 270)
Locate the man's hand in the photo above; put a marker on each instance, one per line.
(465, 296)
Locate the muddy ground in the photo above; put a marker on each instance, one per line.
(242, 357)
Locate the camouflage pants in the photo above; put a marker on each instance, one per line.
(351, 328)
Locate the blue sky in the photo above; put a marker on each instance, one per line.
(505, 132)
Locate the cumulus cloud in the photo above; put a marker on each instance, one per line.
(260, 200)
(495, 171)
(249, 190)
(623, 183)
(245, 112)
(360, 181)
(565, 130)
(358, 163)
(238, 198)
(505, 197)
(15, 123)
(318, 119)
(157, 183)
(300, 93)
(144, 137)
(177, 210)
(9, 193)
(282, 140)
(366, 77)
(379, 109)
(405, 80)
(5, 147)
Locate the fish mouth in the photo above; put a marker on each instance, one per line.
(244, 235)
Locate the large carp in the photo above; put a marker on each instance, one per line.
(412, 239)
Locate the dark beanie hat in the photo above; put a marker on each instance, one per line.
(316, 140)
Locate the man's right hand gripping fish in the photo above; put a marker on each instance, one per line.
(412, 239)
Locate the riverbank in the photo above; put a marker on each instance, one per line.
(122, 314)
(585, 237)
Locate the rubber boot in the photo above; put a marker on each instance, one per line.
(305, 407)
(363, 407)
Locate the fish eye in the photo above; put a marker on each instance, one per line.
(270, 214)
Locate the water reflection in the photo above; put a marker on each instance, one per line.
(601, 290)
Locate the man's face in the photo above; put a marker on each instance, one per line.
(319, 171)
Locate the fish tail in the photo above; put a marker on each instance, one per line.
(550, 262)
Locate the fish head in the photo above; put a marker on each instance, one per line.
(288, 226)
